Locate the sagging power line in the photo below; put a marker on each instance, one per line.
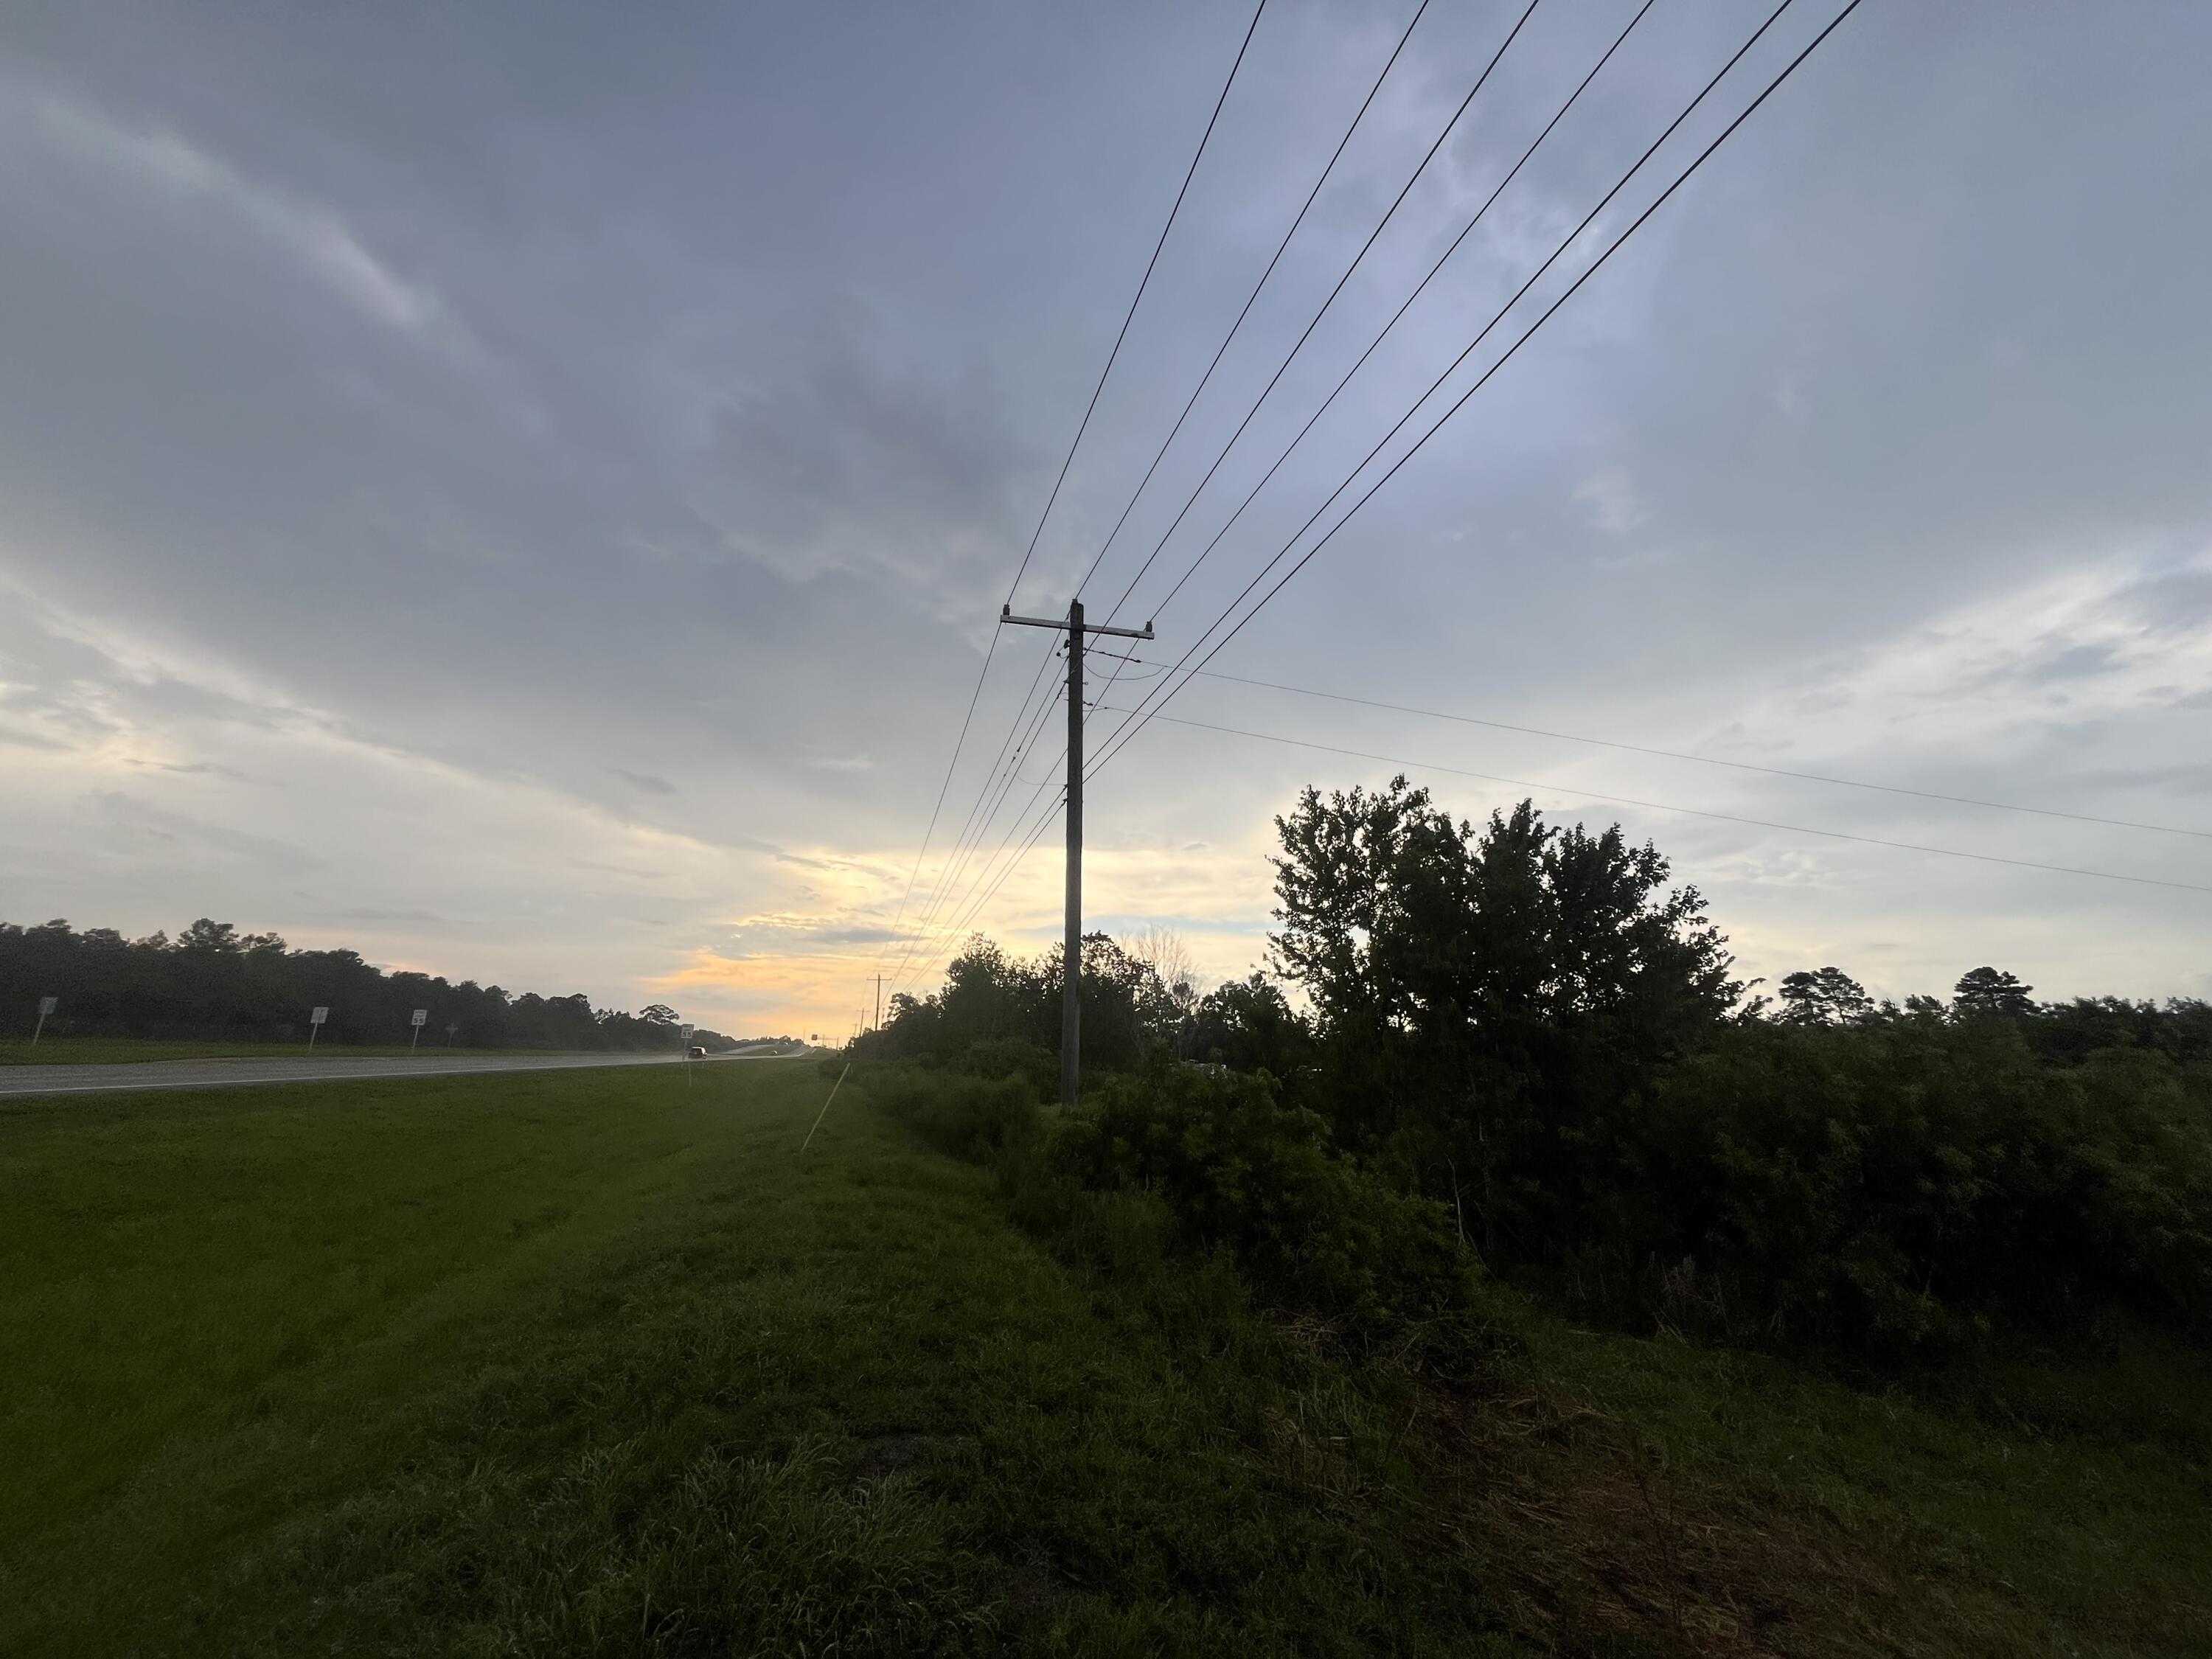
(1122, 734)
(1128, 729)
(984, 673)
(980, 828)
(1403, 306)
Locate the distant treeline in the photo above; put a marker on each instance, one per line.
(214, 983)
(1533, 1029)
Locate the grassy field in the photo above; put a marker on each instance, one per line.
(114, 1051)
(598, 1363)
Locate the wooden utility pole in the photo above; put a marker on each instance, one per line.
(1071, 1004)
(878, 1025)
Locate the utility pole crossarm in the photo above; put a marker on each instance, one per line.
(1006, 615)
(1071, 1000)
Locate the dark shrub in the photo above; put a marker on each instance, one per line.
(1012, 1057)
(969, 1117)
(1242, 1171)
(1902, 1187)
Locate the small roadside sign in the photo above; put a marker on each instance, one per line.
(46, 1005)
(319, 1016)
(315, 1018)
(421, 1017)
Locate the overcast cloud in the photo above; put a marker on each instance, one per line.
(524, 491)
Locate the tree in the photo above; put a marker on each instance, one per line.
(1165, 952)
(1985, 992)
(216, 981)
(218, 937)
(1483, 999)
(1397, 920)
(1828, 997)
(1248, 1024)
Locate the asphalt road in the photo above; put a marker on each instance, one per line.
(17, 1081)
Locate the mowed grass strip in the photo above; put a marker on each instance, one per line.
(598, 1363)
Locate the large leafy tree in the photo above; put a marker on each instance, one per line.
(1396, 918)
(1485, 998)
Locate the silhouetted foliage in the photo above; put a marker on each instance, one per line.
(1985, 992)
(1911, 1182)
(991, 1000)
(1829, 997)
(1484, 999)
(1245, 1170)
(214, 983)
(1534, 1031)
(1249, 1025)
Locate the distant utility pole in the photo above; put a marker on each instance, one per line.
(1071, 1006)
(878, 1025)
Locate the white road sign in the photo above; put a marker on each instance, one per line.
(319, 1016)
(47, 1005)
(421, 1017)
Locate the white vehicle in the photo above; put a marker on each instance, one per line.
(695, 1053)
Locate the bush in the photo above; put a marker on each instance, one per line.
(968, 1116)
(1012, 1057)
(1241, 1170)
(1908, 1187)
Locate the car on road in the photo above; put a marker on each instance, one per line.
(695, 1052)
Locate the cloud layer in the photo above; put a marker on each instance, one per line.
(525, 494)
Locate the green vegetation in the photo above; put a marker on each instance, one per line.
(213, 983)
(598, 1363)
(1535, 1028)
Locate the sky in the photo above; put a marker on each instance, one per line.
(525, 491)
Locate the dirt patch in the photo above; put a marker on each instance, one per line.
(1598, 1543)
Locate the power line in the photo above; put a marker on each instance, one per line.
(1127, 730)
(969, 824)
(1618, 185)
(987, 889)
(1403, 306)
(1030, 552)
(1702, 760)
(1221, 351)
(950, 942)
(929, 932)
(1465, 103)
(1038, 678)
(1692, 811)
(1002, 764)
(1091, 408)
(1412, 179)
(1005, 783)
